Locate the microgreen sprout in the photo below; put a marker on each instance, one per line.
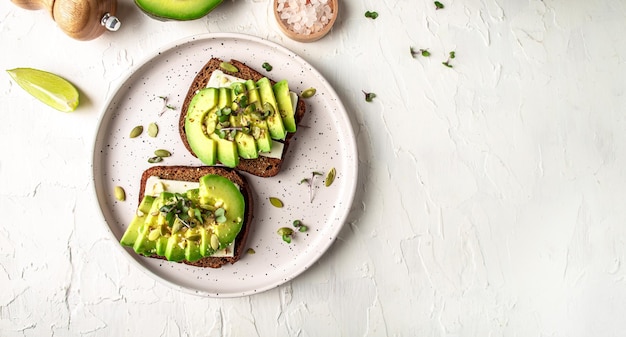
(371, 14)
(300, 226)
(423, 52)
(369, 96)
(267, 66)
(181, 209)
(310, 182)
(439, 5)
(166, 106)
(220, 216)
(451, 55)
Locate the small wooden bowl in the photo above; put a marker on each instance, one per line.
(334, 5)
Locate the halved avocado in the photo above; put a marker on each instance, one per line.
(177, 9)
(220, 192)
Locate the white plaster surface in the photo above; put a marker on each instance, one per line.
(491, 198)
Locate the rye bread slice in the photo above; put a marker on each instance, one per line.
(194, 173)
(261, 166)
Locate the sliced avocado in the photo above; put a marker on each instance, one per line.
(253, 94)
(274, 121)
(152, 219)
(285, 108)
(225, 98)
(193, 195)
(131, 233)
(192, 251)
(205, 242)
(177, 9)
(220, 192)
(197, 138)
(175, 251)
(246, 146)
(144, 245)
(161, 245)
(227, 153)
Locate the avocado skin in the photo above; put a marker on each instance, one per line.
(176, 9)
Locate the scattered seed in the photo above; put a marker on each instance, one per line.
(308, 93)
(153, 130)
(285, 233)
(136, 131)
(215, 243)
(154, 234)
(228, 67)
(120, 194)
(162, 153)
(251, 251)
(276, 202)
(330, 177)
(153, 160)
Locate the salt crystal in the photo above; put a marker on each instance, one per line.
(305, 18)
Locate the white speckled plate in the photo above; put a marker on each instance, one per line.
(327, 142)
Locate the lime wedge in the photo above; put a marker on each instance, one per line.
(49, 88)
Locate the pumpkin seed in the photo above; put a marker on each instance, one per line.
(228, 67)
(308, 93)
(153, 130)
(154, 234)
(120, 194)
(136, 131)
(162, 153)
(215, 242)
(285, 233)
(276, 202)
(153, 160)
(330, 177)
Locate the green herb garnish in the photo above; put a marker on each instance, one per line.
(371, 15)
(369, 96)
(310, 182)
(267, 66)
(423, 52)
(439, 5)
(300, 226)
(451, 55)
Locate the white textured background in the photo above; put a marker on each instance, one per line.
(490, 200)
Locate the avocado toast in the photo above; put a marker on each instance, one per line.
(247, 124)
(200, 216)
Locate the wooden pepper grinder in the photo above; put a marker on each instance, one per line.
(80, 19)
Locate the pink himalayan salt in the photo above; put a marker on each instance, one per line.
(305, 16)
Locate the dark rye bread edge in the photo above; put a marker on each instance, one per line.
(194, 173)
(262, 166)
